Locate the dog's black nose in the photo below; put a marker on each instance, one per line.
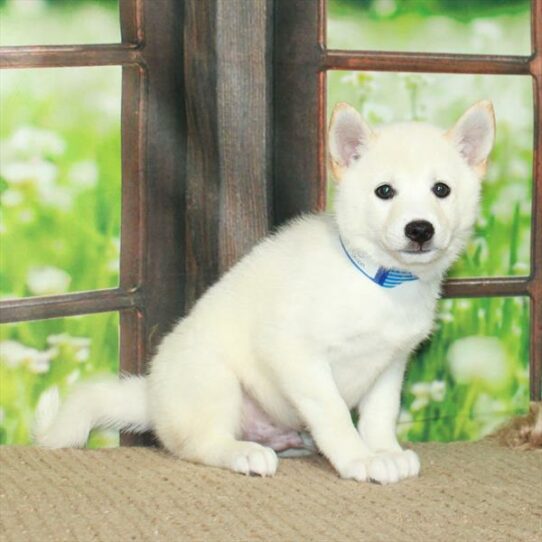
(419, 231)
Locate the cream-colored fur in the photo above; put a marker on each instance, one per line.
(296, 327)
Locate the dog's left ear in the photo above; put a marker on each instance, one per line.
(474, 135)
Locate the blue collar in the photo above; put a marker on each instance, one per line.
(387, 278)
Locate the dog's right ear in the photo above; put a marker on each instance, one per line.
(348, 134)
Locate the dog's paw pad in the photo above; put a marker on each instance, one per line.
(251, 458)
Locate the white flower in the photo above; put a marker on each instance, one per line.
(12, 198)
(364, 81)
(485, 404)
(464, 304)
(489, 412)
(350, 78)
(26, 216)
(385, 8)
(521, 268)
(14, 354)
(79, 345)
(40, 362)
(73, 377)
(375, 113)
(426, 391)
(47, 281)
(519, 168)
(113, 263)
(477, 358)
(509, 197)
(23, 7)
(404, 423)
(445, 317)
(487, 29)
(58, 197)
(84, 174)
(37, 173)
(82, 355)
(67, 339)
(29, 142)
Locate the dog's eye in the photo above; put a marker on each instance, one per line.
(385, 191)
(441, 190)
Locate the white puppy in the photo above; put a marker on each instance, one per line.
(317, 320)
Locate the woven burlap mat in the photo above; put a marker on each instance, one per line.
(467, 491)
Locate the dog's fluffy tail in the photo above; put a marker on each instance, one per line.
(112, 403)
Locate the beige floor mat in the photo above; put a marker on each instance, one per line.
(467, 491)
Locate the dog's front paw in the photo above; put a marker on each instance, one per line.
(357, 469)
(390, 467)
(252, 458)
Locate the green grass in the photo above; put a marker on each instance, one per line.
(472, 403)
(60, 174)
(60, 208)
(59, 353)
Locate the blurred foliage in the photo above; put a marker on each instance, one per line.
(57, 22)
(35, 356)
(63, 4)
(463, 10)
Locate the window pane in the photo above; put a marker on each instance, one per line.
(450, 26)
(59, 22)
(60, 175)
(37, 356)
(472, 375)
(501, 240)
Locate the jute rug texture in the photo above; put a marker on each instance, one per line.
(466, 492)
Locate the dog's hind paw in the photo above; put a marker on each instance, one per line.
(390, 467)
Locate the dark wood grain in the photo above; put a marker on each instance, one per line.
(132, 344)
(298, 107)
(487, 286)
(227, 103)
(153, 196)
(59, 56)
(425, 62)
(131, 21)
(244, 135)
(202, 160)
(162, 182)
(58, 306)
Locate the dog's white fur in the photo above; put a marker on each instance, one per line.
(297, 328)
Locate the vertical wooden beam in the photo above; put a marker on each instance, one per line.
(244, 131)
(298, 108)
(153, 157)
(202, 160)
(164, 175)
(227, 102)
(536, 226)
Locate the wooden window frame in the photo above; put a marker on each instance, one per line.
(302, 60)
(193, 201)
(151, 261)
(196, 159)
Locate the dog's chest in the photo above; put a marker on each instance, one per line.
(370, 336)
